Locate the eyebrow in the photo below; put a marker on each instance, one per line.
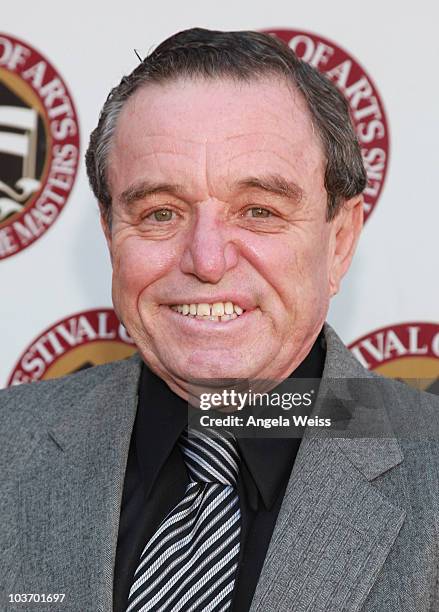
(141, 190)
(272, 183)
(275, 184)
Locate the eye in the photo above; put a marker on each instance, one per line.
(163, 214)
(259, 213)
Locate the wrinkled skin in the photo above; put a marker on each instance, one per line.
(212, 150)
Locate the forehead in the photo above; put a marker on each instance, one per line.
(222, 124)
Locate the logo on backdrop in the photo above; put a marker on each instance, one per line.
(365, 104)
(39, 145)
(407, 351)
(83, 340)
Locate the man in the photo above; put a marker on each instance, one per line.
(229, 181)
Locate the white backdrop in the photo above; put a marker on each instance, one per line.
(394, 277)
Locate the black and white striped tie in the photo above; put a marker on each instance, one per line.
(190, 563)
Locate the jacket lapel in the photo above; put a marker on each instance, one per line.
(333, 533)
(334, 530)
(71, 493)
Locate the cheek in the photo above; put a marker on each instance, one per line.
(312, 262)
(137, 264)
(294, 265)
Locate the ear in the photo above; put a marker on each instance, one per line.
(347, 227)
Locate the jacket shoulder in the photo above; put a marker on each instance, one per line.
(399, 399)
(26, 405)
(407, 401)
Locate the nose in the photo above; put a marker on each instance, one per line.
(209, 252)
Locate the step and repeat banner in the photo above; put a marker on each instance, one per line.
(55, 73)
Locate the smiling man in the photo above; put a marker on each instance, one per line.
(229, 181)
(223, 258)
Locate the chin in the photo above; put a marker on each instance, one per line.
(212, 369)
(210, 372)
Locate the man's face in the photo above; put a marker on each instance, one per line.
(218, 198)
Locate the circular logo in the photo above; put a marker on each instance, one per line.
(365, 104)
(78, 342)
(39, 145)
(408, 352)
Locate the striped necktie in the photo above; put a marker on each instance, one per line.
(190, 563)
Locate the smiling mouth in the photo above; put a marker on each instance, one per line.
(218, 311)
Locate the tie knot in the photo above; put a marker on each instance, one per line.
(210, 455)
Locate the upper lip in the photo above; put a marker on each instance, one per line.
(244, 302)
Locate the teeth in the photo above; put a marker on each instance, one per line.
(203, 310)
(229, 317)
(218, 311)
(228, 308)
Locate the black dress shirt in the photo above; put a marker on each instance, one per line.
(156, 480)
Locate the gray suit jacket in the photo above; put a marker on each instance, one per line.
(357, 530)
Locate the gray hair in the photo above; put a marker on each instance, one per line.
(243, 56)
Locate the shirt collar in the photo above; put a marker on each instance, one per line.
(161, 419)
(162, 416)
